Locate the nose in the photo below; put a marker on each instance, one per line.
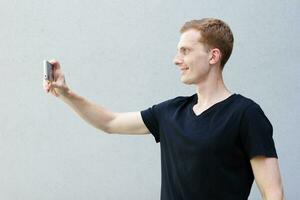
(178, 59)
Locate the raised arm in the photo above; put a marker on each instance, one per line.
(127, 123)
(97, 116)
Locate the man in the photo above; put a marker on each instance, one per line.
(213, 143)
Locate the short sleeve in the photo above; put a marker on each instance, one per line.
(256, 133)
(151, 121)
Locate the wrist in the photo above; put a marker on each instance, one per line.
(66, 93)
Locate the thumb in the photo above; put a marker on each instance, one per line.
(54, 85)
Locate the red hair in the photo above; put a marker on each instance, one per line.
(214, 34)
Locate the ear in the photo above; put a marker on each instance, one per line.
(215, 56)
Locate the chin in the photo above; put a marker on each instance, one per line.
(186, 81)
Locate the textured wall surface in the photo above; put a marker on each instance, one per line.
(119, 54)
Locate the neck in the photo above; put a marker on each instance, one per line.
(211, 90)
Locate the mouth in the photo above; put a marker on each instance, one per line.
(183, 69)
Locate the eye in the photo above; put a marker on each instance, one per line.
(185, 51)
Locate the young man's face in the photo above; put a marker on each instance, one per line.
(192, 58)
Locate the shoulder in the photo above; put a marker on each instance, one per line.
(245, 107)
(178, 99)
(250, 109)
(174, 102)
(245, 103)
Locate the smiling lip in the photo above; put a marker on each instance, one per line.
(184, 69)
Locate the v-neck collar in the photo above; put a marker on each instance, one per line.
(194, 101)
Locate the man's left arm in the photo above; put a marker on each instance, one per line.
(267, 177)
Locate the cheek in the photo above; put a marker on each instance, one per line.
(198, 62)
(190, 61)
(200, 67)
(203, 59)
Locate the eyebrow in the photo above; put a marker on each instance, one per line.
(183, 47)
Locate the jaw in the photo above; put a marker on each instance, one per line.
(185, 79)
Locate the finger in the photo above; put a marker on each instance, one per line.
(54, 85)
(50, 87)
(53, 92)
(46, 86)
(55, 63)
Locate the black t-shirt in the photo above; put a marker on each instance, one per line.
(207, 156)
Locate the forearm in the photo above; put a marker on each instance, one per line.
(97, 116)
(274, 195)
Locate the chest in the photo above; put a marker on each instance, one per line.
(214, 134)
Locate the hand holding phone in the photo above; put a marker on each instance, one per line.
(54, 79)
(48, 71)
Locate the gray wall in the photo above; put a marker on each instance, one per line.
(119, 55)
